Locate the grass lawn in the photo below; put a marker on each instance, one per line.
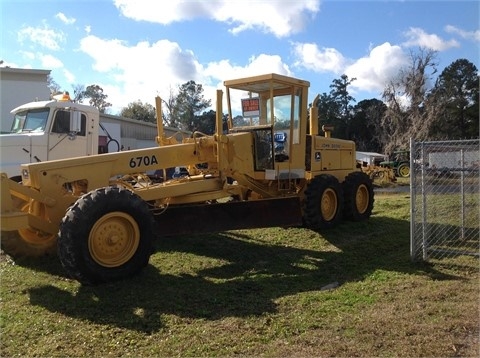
(350, 291)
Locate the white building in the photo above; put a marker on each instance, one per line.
(19, 86)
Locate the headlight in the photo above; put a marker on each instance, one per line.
(25, 174)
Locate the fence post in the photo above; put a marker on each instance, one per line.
(414, 241)
(462, 193)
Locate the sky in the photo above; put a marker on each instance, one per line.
(138, 49)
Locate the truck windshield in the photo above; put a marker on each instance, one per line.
(32, 120)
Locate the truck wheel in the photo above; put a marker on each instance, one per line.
(323, 203)
(359, 197)
(29, 242)
(106, 236)
(403, 170)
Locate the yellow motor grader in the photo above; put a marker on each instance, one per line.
(380, 175)
(266, 165)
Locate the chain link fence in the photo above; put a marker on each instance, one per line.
(445, 192)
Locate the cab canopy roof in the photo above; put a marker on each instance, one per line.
(263, 83)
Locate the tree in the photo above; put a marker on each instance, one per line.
(239, 121)
(366, 126)
(205, 122)
(405, 96)
(52, 85)
(78, 93)
(96, 97)
(328, 110)
(187, 104)
(454, 102)
(335, 108)
(140, 111)
(170, 116)
(343, 99)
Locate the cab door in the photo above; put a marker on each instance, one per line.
(65, 141)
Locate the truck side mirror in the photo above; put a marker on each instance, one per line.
(75, 122)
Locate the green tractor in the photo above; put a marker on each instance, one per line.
(400, 163)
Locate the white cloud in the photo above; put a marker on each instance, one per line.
(140, 71)
(469, 35)
(142, 60)
(29, 56)
(266, 64)
(279, 17)
(66, 20)
(164, 12)
(11, 64)
(217, 72)
(313, 58)
(49, 61)
(418, 37)
(43, 36)
(144, 70)
(69, 76)
(374, 71)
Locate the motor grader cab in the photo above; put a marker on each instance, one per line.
(101, 212)
(273, 111)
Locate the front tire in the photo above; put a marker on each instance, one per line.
(323, 204)
(359, 196)
(106, 236)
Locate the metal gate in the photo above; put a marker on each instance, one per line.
(445, 195)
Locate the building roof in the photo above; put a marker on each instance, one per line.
(26, 71)
(371, 154)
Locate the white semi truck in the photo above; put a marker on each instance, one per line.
(55, 129)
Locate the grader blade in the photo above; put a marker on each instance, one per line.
(193, 219)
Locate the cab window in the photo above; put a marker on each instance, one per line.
(61, 124)
(33, 120)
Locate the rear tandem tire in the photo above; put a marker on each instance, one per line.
(323, 204)
(359, 196)
(106, 236)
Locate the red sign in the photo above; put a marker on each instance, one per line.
(251, 107)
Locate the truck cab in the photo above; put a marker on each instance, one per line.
(48, 130)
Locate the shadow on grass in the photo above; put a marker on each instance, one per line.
(254, 274)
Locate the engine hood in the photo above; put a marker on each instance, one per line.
(19, 148)
(17, 139)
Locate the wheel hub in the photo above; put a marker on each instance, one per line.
(362, 199)
(114, 239)
(329, 204)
